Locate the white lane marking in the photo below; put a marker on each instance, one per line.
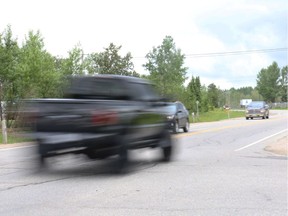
(239, 149)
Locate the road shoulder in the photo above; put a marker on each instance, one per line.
(279, 145)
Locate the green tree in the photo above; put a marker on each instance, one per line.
(284, 84)
(268, 82)
(75, 64)
(198, 89)
(204, 99)
(213, 96)
(36, 68)
(233, 98)
(9, 89)
(235, 95)
(9, 55)
(194, 94)
(255, 95)
(165, 65)
(111, 62)
(191, 106)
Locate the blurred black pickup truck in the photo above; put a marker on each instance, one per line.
(101, 116)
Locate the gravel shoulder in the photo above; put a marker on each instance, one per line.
(279, 145)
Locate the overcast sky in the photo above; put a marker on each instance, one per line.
(197, 27)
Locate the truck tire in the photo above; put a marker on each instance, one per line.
(167, 146)
(167, 152)
(42, 158)
(122, 159)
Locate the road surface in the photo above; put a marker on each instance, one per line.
(219, 168)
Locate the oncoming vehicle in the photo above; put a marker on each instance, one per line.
(179, 118)
(257, 109)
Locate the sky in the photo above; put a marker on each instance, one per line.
(225, 42)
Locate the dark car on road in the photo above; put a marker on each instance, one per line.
(257, 109)
(179, 118)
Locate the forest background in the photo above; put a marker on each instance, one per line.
(29, 71)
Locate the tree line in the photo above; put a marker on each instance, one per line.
(30, 71)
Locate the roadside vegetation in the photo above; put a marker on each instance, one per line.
(15, 137)
(28, 70)
(217, 115)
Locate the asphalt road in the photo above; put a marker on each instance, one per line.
(219, 168)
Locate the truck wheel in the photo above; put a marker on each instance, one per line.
(167, 152)
(167, 146)
(42, 162)
(186, 128)
(42, 158)
(123, 155)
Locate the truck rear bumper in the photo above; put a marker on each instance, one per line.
(58, 143)
(57, 138)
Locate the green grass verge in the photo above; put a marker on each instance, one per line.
(279, 108)
(14, 138)
(218, 115)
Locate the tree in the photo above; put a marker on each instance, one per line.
(9, 88)
(268, 82)
(9, 57)
(165, 65)
(255, 95)
(204, 99)
(9, 54)
(191, 103)
(194, 94)
(36, 69)
(110, 62)
(75, 64)
(213, 95)
(284, 84)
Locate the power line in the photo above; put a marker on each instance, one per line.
(239, 52)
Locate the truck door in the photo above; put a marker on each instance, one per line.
(149, 119)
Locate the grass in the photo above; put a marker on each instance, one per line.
(218, 115)
(13, 137)
(279, 108)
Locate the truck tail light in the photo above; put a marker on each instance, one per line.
(104, 118)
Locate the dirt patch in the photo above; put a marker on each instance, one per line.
(279, 146)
